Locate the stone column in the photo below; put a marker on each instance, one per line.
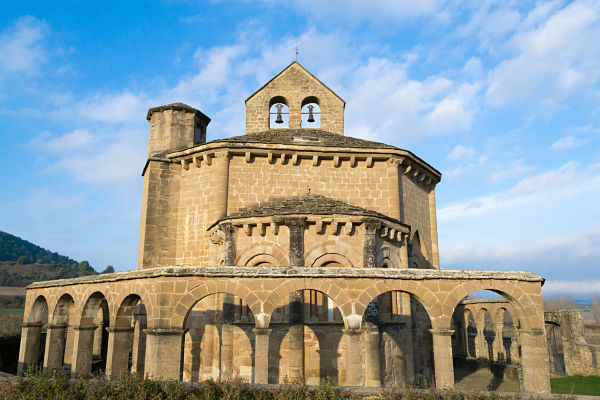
(370, 243)
(514, 350)
(163, 353)
(97, 346)
(119, 345)
(435, 254)
(461, 338)
(220, 185)
(138, 352)
(404, 250)
(480, 344)
(296, 228)
(499, 343)
(406, 319)
(229, 245)
(30, 346)
(55, 346)
(395, 195)
(372, 356)
(69, 346)
(534, 358)
(227, 337)
(83, 341)
(296, 338)
(353, 357)
(261, 355)
(442, 358)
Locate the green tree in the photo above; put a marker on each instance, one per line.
(108, 270)
(22, 260)
(596, 307)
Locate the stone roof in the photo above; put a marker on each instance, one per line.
(179, 107)
(310, 204)
(305, 137)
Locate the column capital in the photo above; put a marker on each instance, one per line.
(295, 222)
(352, 331)
(112, 329)
(85, 327)
(32, 324)
(57, 326)
(262, 331)
(371, 226)
(441, 332)
(165, 332)
(227, 227)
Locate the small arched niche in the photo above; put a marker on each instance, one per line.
(279, 113)
(310, 113)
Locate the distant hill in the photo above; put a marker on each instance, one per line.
(13, 248)
(22, 263)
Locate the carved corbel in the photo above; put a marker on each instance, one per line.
(369, 162)
(352, 161)
(348, 228)
(274, 227)
(262, 228)
(198, 161)
(319, 226)
(208, 158)
(336, 161)
(295, 159)
(217, 236)
(185, 164)
(270, 158)
(315, 161)
(384, 232)
(248, 157)
(248, 229)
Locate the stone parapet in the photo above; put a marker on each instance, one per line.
(294, 272)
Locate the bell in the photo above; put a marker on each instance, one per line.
(279, 120)
(311, 118)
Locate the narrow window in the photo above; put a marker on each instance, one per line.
(279, 113)
(310, 114)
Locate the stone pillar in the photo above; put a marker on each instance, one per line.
(163, 353)
(442, 358)
(261, 355)
(227, 337)
(69, 346)
(372, 356)
(461, 338)
(119, 345)
(353, 357)
(480, 344)
(229, 245)
(370, 243)
(498, 345)
(296, 329)
(138, 352)
(514, 350)
(406, 319)
(534, 358)
(435, 254)
(220, 185)
(30, 346)
(296, 228)
(404, 250)
(83, 341)
(395, 195)
(55, 346)
(97, 347)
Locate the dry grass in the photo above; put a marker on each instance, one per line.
(12, 291)
(10, 324)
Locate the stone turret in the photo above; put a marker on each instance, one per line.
(175, 127)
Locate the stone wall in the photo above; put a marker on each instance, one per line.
(580, 358)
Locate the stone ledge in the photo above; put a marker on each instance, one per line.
(293, 272)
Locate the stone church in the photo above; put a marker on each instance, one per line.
(292, 251)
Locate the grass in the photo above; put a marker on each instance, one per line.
(577, 384)
(12, 311)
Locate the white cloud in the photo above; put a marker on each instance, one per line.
(557, 185)
(20, 46)
(552, 57)
(569, 286)
(567, 143)
(561, 256)
(460, 152)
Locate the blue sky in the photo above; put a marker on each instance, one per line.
(502, 97)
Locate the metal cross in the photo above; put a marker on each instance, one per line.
(297, 52)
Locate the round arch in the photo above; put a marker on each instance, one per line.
(90, 308)
(266, 252)
(332, 247)
(60, 312)
(205, 289)
(122, 300)
(386, 258)
(332, 258)
(282, 292)
(36, 312)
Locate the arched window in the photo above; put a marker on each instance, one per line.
(279, 113)
(310, 114)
